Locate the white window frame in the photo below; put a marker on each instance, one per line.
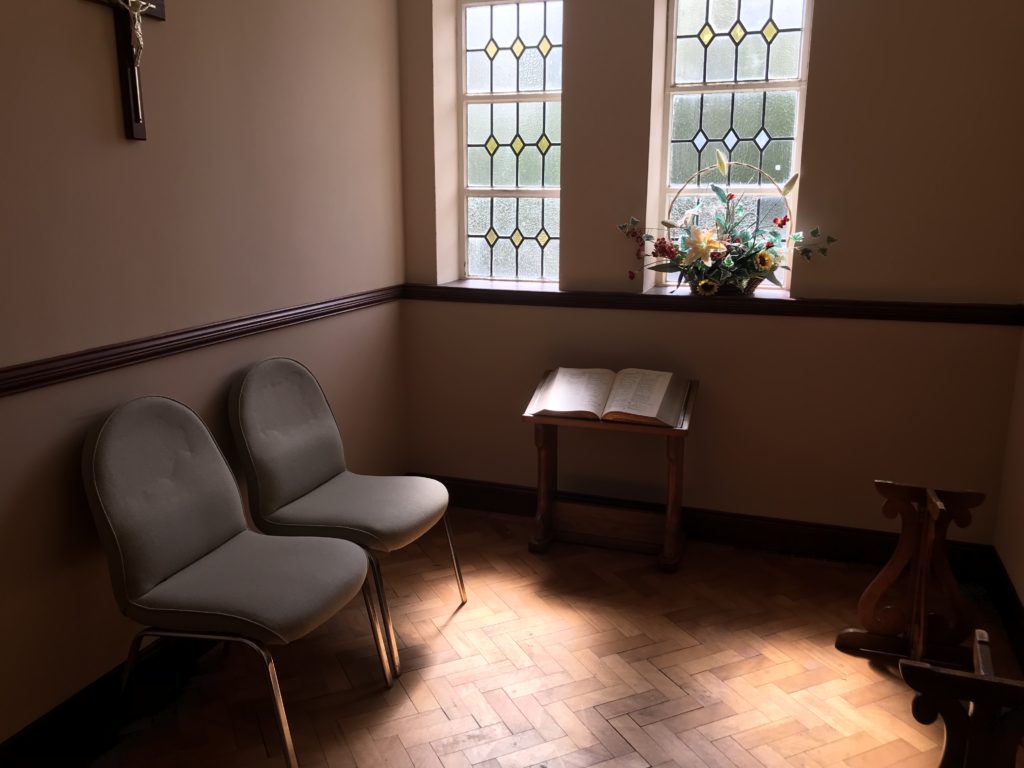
(463, 100)
(666, 190)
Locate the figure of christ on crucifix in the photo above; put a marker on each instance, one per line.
(128, 15)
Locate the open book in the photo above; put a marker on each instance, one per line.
(632, 395)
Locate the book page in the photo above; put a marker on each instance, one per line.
(576, 391)
(638, 392)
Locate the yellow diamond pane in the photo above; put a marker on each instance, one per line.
(491, 146)
(770, 31)
(517, 238)
(544, 46)
(738, 33)
(518, 144)
(491, 49)
(518, 47)
(544, 144)
(491, 237)
(542, 238)
(706, 34)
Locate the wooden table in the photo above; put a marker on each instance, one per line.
(619, 526)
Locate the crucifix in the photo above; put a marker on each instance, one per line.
(128, 15)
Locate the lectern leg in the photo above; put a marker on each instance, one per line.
(545, 437)
(669, 559)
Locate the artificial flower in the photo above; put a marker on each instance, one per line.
(706, 287)
(764, 261)
(700, 245)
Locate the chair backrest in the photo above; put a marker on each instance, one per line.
(285, 432)
(160, 491)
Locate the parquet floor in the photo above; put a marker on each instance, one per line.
(582, 657)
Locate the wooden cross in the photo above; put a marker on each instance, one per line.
(131, 84)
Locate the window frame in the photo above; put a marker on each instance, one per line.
(665, 190)
(462, 101)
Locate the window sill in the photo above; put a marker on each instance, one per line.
(766, 302)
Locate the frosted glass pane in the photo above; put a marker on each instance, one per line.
(530, 211)
(531, 71)
(504, 24)
(552, 216)
(717, 114)
(553, 129)
(504, 166)
(504, 69)
(478, 167)
(689, 61)
(682, 163)
(690, 16)
(478, 72)
(748, 114)
(504, 259)
(754, 13)
(777, 160)
(529, 260)
(784, 62)
(554, 14)
(788, 14)
(530, 173)
(479, 261)
(553, 73)
(504, 122)
(531, 121)
(745, 152)
(553, 167)
(551, 260)
(478, 26)
(721, 59)
(685, 117)
(478, 123)
(722, 14)
(780, 114)
(753, 58)
(478, 215)
(504, 222)
(531, 22)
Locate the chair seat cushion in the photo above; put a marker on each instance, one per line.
(379, 513)
(262, 587)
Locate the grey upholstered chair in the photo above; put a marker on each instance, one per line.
(299, 484)
(181, 557)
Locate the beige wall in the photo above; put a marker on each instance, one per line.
(270, 179)
(794, 419)
(1009, 533)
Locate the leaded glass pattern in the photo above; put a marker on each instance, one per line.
(754, 127)
(513, 237)
(512, 131)
(759, 210)
(731, 41)
(513, 47)
(514, 144)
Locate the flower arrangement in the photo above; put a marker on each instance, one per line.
(734, 255)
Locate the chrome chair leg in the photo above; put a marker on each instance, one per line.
(385, 612)
(133, 656)
(455, 559)
(378, 634)
(268, 662)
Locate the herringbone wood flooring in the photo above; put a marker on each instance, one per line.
(582, 657)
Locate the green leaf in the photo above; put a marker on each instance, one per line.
(806, 253)
(816, 232)
(671, 267)
(668, 224)
(727, 261)
(829, 239)
(823, 251)
(721, 193)
(783, 266)
(633, 221)
(722, 162)
(648, 237)
(788, 186)
(771, 278)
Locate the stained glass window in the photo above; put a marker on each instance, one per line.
(512, 145)
(738, 77)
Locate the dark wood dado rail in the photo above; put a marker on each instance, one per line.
(41, 373)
